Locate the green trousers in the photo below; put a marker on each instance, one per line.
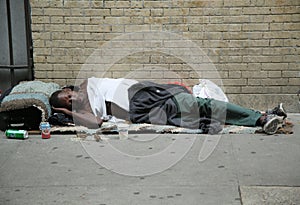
(191, 107)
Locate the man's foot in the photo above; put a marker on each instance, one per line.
(279, 110)
(271, 124)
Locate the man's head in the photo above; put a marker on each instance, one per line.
(63, 98)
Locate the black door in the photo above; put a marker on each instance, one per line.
(16, 52)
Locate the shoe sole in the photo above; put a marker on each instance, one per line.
(282, 110)
(279, 110)
(272, 126)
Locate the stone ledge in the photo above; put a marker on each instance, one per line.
(265, 101)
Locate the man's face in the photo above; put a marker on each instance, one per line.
(67, 98)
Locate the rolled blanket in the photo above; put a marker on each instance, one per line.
(30, 93)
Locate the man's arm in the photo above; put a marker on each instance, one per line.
(83, 118)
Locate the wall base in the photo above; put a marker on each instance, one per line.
(263, 102)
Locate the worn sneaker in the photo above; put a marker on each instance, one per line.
(272, 123)
(279, 110)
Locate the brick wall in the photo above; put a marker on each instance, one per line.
(249, 47)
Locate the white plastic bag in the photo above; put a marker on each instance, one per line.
(208, 89)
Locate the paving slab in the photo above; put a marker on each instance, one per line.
(252, 195)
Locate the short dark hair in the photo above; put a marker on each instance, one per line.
(72, 87)
(54, 100)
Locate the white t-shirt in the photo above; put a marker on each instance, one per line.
(107, 89)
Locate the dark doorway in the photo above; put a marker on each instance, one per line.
(16, 50)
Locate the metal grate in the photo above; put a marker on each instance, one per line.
(16, 53)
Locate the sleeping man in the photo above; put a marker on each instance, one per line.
(164, 104)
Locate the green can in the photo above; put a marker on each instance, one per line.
(16, 134)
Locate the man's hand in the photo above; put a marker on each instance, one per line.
(63, 110)
(83, 118)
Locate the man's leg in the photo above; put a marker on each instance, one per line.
(226, 113)
(232, 113)
(223, 112)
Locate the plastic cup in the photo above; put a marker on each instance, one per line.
(123, 131)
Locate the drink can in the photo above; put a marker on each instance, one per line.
(16, 134)
(45, 128)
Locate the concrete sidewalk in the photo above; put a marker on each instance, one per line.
(242, 169)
